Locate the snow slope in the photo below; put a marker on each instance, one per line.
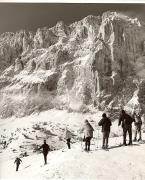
(119, 163)
(116, 164)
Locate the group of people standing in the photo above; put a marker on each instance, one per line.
(125, 120)
(105, 122)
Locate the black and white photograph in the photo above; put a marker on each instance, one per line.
(72, 90)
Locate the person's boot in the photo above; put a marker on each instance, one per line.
(103, 146)
(106, 146)
(139, 139)
(130, 143)
(124, 144)
(135, 140)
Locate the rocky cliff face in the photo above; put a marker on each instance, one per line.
(97, 61)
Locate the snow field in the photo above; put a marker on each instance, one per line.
(119, 163)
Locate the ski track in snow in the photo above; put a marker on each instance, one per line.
(118, 163)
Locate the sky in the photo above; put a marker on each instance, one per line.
(30, 16)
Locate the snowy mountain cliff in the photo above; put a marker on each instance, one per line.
(97, 61)
(54, 79)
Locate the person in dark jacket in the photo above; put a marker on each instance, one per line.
(5, 144)
(88, 134)
(18, 162)
(105, 122)
(46, 149)
(138, 124)
(126, 121)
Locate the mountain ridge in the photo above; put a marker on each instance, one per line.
(92, 61)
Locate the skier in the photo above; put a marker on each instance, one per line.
(105, 122)
(88, 134)
(138, 124)
(5, 144)
(126, 121)
(18, 162)
(45, 148)
(68, 137)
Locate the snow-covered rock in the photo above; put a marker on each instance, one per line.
(94, 61)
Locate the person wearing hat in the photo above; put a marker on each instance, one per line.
(126, 121)
(88, 134)
(105, 122)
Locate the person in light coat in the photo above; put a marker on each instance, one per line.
(68, 136)
(138, 124)
(88, 134)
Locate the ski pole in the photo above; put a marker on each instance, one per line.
(80, 140)
(115, 141)
(94, 143)
(97, 137)
(116, 138)
(81, 144)
(116, 135)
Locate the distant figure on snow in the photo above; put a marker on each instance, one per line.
(138, 124)
(126, 121)
(46, 149)
(105, 122)
(88, 134)
(5, 144)
(68, 136)
(18, 162)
